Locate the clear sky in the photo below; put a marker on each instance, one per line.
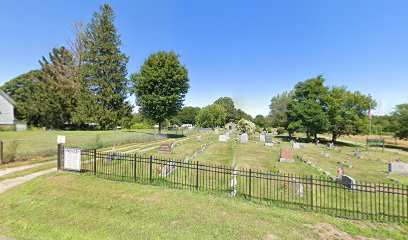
(248, 50)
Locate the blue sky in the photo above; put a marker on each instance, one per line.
(248, 50)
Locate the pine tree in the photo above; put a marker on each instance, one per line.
(103, 72)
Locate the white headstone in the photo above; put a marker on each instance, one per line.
(296, 145)
(262, 138)
(398, 168)
(222, 138)
(60, 139)
(244, 138)
(72, 159)
(199, 138)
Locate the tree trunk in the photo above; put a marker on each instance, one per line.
(160, 127)
(334, 138)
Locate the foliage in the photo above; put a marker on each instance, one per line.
(11, 151)
(278, 107)
(245, 126)
(160, 86)
(347, 111)
(259, 120)
(228, 104)
(103, 73)
(280, 130)
(239, 114)
(306, 111)
(212, 116)
(401, 116)
(188, 115)
(20, 89)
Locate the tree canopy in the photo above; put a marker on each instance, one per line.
(278, 107)
(229, 106)
(160, 86)
(212, 116)
(103, 73)
(401, 117)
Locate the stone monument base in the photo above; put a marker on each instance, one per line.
(269, 144)
(286, 160)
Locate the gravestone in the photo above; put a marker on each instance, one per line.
(327, 155)
(165, 148)
(268, 140)
(244, 138)
(296, 145)
(222, 138)
(257, 134)
(348, 182)
(398, 168)
(286, 155)
(199, 139)
(216, 131)
(262, 138)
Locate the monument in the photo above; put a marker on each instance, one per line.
(222, 138)
(286, 155)
(398, 168)
(268, 140)
(348, 182)
(244, 138)
(296, 145)
(165, 148)
(262, 138)
(199, 139)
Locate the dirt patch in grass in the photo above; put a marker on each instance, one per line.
(269, 236)
(327, 231)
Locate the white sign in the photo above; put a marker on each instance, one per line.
(72, 159)
(60, 139)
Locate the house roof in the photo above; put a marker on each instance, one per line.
(7, 97)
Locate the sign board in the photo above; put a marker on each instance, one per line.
(72, 159)
(60, 139)
(375, 142)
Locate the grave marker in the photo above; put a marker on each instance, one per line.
(262, 138)
(286, 155)
(165, 148)
(348, 182)
(199, 139)
(222, 138)
(244, 138)
(296, 145)
(398, 168)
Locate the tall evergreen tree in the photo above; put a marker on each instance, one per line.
(103, 72)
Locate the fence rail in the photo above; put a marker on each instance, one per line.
(373, 201)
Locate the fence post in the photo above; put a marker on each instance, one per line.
(250, 182)
(1, 151)
(151, 169)
(197, 175)
(311, 191)
(59, 148)
(134, 168)
(94, 161)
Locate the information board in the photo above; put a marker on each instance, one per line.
(72, 159)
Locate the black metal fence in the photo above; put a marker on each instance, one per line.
(362, 200)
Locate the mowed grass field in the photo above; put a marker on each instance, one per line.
(74, 206)
(23, 145)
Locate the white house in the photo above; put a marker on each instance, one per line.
(6, 110)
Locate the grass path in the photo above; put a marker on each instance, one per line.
(9, 183)
(24, 167)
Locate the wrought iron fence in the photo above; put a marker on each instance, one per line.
(360, 200)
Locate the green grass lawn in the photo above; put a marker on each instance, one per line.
(372, 168)
(73, 206)
(40, 143)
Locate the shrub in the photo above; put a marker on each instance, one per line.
(12, 151)
(280, 130)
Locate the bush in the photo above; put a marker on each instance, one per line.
(281, 130)
(269, 129)
(12, 151)
(258, 129)
(137, 126)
